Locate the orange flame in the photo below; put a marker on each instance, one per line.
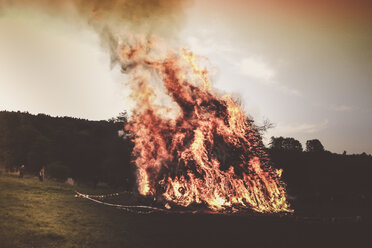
(210, 154)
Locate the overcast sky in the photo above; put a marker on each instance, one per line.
(305, 67)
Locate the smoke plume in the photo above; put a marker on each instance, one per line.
(114, 19)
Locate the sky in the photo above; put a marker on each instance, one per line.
(303, 65)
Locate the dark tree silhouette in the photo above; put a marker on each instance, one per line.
(67, 147)
(266, 125)
(121, 118)
(285, 144)
(314, 145)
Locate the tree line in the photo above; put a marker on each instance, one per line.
(291, 144)
(100, 151)
(87, 151)
(322, 179)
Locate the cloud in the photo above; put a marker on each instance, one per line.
(341, 108)
(256, 68)
(205, 43)
(301, 127)
(289, 91)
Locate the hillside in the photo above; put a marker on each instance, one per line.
(88, 151)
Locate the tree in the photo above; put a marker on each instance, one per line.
(314, 145)
(68, 147)
(266, 125)
(58, 171)
(285, 144)
(122, 118)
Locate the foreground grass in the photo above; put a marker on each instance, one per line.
(46, 214)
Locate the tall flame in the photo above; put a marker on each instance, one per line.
(210, 153)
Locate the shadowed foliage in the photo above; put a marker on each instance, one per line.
(87, 151)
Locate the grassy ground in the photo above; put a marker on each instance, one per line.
(46, 214)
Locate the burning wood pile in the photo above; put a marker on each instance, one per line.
(192, 145)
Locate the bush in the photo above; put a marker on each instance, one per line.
(58, 171)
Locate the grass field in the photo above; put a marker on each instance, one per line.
(46, 214)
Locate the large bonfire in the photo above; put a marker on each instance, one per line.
(207, 152)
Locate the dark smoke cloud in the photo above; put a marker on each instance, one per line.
(135, 12)
(114, 19)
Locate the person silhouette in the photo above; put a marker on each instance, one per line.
(42, 174)
(21, 171)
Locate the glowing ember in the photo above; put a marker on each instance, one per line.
(210, 153)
